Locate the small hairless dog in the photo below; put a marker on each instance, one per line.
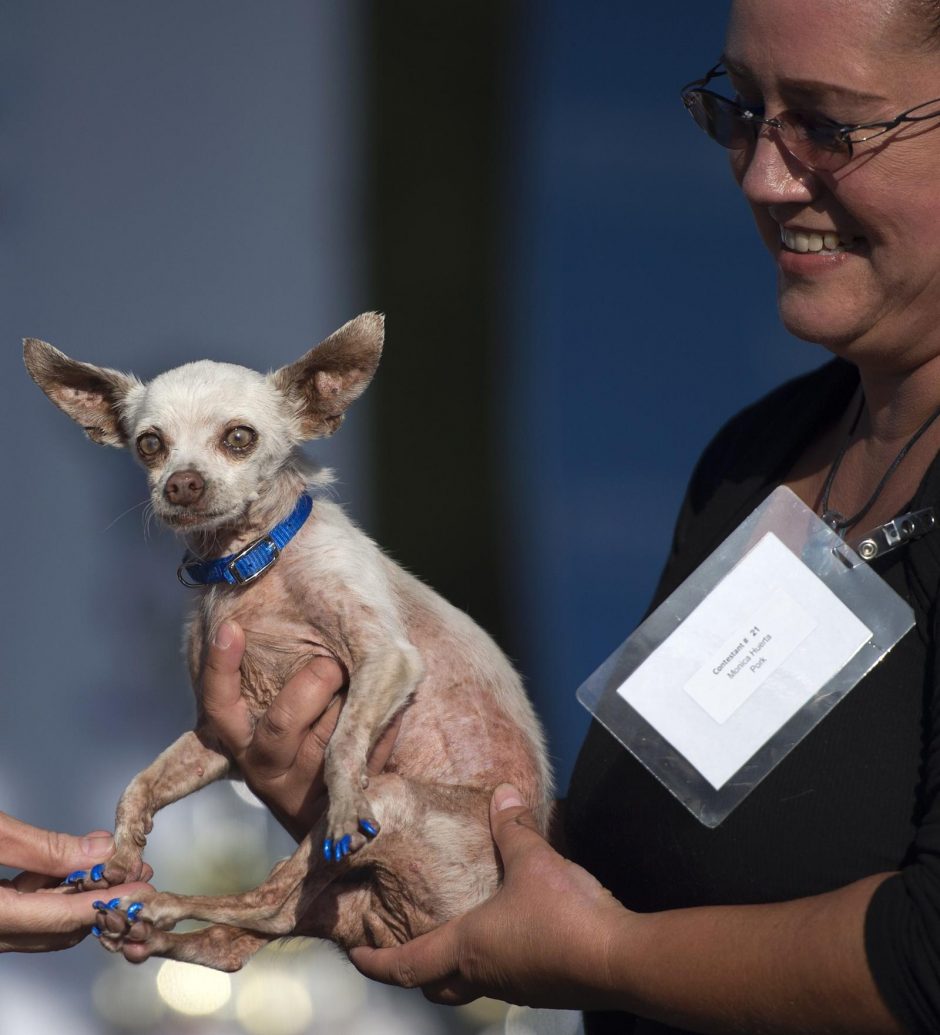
(395, 854)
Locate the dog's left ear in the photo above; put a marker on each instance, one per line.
(333, 374)
(92, 396)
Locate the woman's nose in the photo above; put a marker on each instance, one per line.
(770, 175)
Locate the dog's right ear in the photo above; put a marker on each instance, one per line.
(323, 383)
(92, 396)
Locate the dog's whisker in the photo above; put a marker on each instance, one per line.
(142, 503)
(148, 516)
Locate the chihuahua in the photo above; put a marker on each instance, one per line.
(392, 855)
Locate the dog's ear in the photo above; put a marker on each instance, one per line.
(92, 396)
(330, 376)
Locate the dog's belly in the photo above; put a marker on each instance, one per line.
(468, 722)
(454, 730)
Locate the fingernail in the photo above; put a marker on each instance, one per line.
(98, 845)
(506, 797)
(224, 635)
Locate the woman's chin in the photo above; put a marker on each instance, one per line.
(826, 325)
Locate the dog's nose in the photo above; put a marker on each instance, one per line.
(184, 487)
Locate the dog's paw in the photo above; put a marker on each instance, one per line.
(119, 921)
(123, 868)
(345, 841)
(87, 880)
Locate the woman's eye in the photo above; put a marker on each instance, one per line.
(149, 444)
(754, 104)
(823, 131)
(240, 437)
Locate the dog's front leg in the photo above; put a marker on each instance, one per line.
(188, 764)
(378, 689)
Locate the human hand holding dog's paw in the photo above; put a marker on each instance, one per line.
(33, 918)
(281, 757)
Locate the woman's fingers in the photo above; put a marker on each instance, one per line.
(431, 959)
(282, 730)
(513, 826)
(45, 851)
(46, 922)
(221, 686)
(379, 755)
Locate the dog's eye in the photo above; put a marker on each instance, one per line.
(239, 438)
(149, 444)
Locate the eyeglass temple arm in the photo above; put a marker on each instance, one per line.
(698, 84)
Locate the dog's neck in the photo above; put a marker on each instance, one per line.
(269, 506)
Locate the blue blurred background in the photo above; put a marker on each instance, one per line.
(576, 301)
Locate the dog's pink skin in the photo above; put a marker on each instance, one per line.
(467, 724)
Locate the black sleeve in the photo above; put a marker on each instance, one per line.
(902, 926)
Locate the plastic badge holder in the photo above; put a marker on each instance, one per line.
(738, 665)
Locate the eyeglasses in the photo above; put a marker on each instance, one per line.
(814, 141)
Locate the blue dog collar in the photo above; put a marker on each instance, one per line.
(238, 569)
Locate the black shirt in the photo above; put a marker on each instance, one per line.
(858, 796)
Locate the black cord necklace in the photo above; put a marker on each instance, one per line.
(838, 521)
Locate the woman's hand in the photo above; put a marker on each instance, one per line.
(552, 936)
(281, 756)
(541, 940)
(33, 917)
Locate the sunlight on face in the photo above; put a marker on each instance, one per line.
(853, 61)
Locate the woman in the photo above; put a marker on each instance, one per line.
(816, 905)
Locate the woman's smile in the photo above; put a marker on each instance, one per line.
(804, 252)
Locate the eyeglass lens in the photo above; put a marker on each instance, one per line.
(724, 122)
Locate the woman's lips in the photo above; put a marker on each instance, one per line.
(803, 251)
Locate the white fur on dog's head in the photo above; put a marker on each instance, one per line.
(182, 422)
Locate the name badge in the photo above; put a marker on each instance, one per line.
(740, 663)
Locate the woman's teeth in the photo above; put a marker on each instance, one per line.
(800, 241)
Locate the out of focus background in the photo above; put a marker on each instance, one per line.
(575, 300)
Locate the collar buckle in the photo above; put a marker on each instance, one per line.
(264, 560)
(242, 568)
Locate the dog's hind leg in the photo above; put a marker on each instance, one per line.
(434, 860)
(267, 909)
(219, 946)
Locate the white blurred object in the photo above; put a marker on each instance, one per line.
(248, 796)
(191, 990)
(523, 1020)
(271, 1003)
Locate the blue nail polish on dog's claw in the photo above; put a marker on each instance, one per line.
(344, 845)
(337, 851)
(96, 931)
(367, 828)
(113, 904)
(327, 848)
(75, 876)
(133, 911)
(98, 904)
(97, 872)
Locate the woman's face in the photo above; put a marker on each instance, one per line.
(853, 61)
